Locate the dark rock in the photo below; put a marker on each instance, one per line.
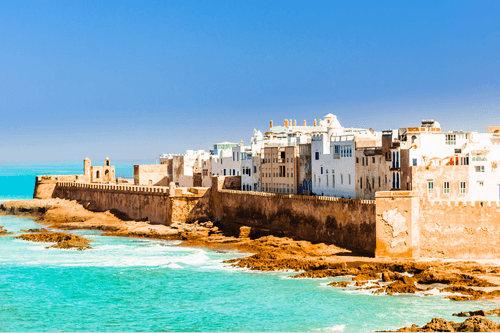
(477, 324)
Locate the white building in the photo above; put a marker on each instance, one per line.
(333, 158)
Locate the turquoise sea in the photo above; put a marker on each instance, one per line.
(126, 284)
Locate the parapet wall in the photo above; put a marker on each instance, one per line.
(465, 230)
(346, 223)
(156, 204)
(411, 227)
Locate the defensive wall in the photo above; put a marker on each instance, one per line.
(410, 226)
(156, 204)
(397, 224)
(346, 223)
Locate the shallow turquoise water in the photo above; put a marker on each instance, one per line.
(127, 284)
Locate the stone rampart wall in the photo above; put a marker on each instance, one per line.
(411, 227)
(463, 230)
(155, 204)
(344, 222)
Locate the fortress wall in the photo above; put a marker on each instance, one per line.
(411, 227)
(138, 202)
(462, 230)
(45, 185)
(347, 223)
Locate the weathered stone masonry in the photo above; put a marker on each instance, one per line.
(399, 224)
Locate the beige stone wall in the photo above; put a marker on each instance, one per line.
(155, 204)
(397, 224)
(152, 174)
(347, 223)
(460, 229)
(410, 226)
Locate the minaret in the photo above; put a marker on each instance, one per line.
(270, 124)
(304, 122)
(315, 123)
(295, 122)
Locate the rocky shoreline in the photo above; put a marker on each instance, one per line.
(465, 280)
(476, 322)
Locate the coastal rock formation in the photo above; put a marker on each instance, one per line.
(472, 324)
(272, 253)
(4, 232)
(63, 240)
(495, 312)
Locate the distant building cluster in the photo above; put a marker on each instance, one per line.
(328, 159)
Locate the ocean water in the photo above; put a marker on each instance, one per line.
(128, 284)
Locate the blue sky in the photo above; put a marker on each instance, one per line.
(135, 79)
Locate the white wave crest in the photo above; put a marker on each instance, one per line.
(334, 328)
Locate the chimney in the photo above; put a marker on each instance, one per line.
(304, 122)
(271, 124)
(295, 122)
(315, 123)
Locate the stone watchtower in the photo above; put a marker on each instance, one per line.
(107, 162)
(86, 169)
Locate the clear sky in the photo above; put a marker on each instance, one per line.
(137, 79)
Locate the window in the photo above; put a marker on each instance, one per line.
(360, 182)
(317, 155)
(446, 187)
(479, 168)
(342, 179)
(378, 181)
(373, 160)
(333, 181)
(234, 172)
(395, 180)
(386, 179)
(357, 159)
(414, 162)
(254, 169)
(462, 187)
(224, 172)
(430, 186)
(480, 183)
(349, 179)
(373, 183)
(326, 181)
(451, 139)
(363, 161)
(321, 170)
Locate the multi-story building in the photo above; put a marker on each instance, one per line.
(305, 169)
(182, 168)
(333, 156)
(256, 168)
(247, 171)
(279, 170)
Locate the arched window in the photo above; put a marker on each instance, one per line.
(97, 174)
(413, 139)
(107, 163)
(106, 173)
